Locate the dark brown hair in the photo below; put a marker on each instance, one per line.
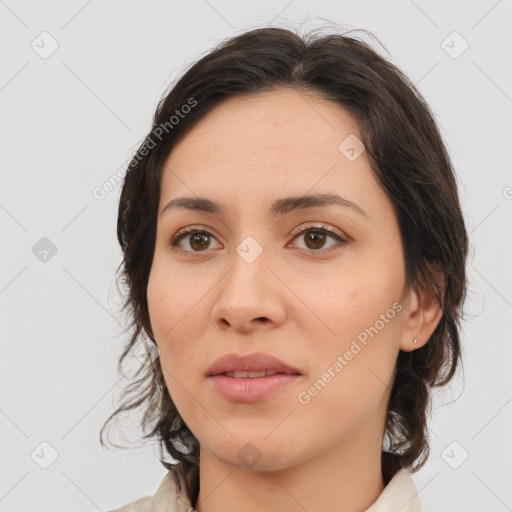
(410, 163)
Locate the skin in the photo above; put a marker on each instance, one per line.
(300, 301)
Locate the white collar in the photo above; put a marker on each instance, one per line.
(400, 495)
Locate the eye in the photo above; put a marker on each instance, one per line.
(199, 239)
(316, 236)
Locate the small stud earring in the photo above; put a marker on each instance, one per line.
(415, 341)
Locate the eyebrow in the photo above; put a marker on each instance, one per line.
(278, 207)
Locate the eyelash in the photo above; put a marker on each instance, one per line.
(317, 228)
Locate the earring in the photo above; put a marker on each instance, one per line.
(415, 341)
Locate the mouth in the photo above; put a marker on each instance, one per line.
(241, 374)
(251, 377)
(250, 366)
(250, 387)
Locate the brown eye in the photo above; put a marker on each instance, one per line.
(198, 240)
(316, 237)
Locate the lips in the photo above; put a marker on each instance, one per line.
(256, 362)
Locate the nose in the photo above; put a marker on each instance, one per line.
(250, 296)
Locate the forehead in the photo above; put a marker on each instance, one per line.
(264, 146)
(282, 119)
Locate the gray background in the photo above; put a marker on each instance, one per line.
(70, 120)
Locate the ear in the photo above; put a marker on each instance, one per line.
(422, 314)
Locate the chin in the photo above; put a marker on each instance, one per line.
(254, 453)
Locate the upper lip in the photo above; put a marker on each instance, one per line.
(250, 362)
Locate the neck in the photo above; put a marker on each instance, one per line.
(348, 478)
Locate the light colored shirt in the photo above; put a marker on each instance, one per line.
(400, 495)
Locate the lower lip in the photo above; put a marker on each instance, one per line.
(251, 390)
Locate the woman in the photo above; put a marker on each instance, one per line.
(294, 247)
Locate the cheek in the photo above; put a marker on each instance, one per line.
(170, 301)
(352, 372)
(354, 303)
(167, 315)
(165, 312)
(177, 318)
(158, 295)
(363, 312)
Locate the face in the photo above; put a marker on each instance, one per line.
(320, 287)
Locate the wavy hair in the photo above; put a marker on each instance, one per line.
(410, 163)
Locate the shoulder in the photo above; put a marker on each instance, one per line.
(400, 494)
(141, 505)
(165, 499)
